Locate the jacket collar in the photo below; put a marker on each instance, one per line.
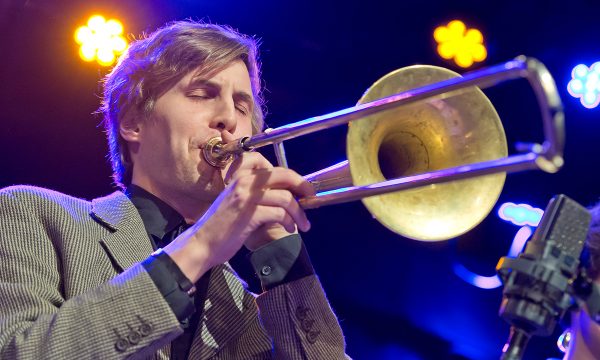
(128, 242)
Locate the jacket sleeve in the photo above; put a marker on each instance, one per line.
(123, 317)
(298, 318)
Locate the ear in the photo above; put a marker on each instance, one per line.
(130, 128)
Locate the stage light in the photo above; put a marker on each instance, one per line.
(480, 281)
(519, 241)
(100, 40)
(520, 214)
(585, 84)
(457, 42)
(492, 282)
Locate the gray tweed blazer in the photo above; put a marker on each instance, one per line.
(72, 287)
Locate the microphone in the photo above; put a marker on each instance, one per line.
(538, 283)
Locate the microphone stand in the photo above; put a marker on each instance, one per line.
(516, 344)
(527, 319)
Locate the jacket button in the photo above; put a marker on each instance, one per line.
(301, 312)
(122, 345)
(307, 324)
(145, 329)
(312, 336)
(134, 337)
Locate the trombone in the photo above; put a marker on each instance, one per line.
(416, 140)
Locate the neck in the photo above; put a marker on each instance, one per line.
(190, 208)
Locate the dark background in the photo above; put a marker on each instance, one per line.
(396, 298)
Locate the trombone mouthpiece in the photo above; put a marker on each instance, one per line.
(214, 155)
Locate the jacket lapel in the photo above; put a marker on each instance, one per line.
(228, 308)
(128, 242)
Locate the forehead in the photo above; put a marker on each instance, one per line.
(234, 73)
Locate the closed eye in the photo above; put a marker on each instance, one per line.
(242, 109)
(243, 102)
(201, 94)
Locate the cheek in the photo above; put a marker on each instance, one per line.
(243, 128)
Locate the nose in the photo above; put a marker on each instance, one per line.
(225, 119)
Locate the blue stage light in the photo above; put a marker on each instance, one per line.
(482, 282)
(520, 214)
(585, 84)
(492, 282)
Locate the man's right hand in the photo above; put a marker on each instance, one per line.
(257, 196)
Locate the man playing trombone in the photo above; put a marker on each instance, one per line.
(143, 272)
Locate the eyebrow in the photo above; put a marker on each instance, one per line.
(237, 96)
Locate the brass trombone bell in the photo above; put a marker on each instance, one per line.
(432, 134)
(416, 140)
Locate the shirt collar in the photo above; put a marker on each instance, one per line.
(158, 217)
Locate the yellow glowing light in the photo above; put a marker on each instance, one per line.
(83, 34)
(96, 22)
(114, 27)
(87, 52)
(119, 44)
(101, 40)
(464, 46)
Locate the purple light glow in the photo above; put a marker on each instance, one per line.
(492, 282)
(482, 282)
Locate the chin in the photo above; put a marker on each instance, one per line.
(213, 191)
(207, 176)
(208, 185)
